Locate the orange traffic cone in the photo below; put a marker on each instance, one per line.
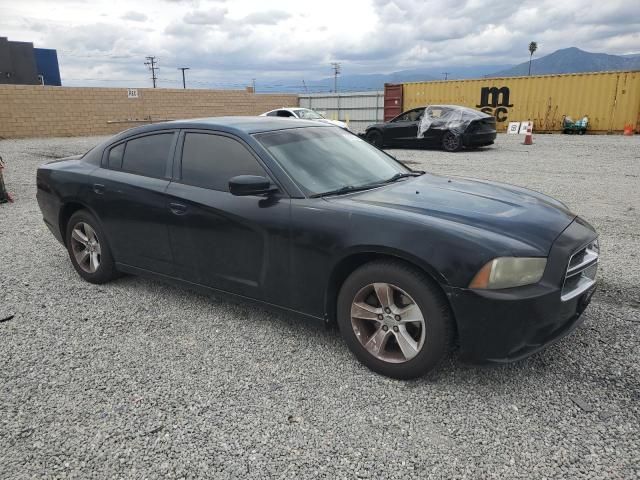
(528, 138)
(628, 130)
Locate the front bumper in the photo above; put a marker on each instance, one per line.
(499, 326)
(507, 329)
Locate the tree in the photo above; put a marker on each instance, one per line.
(533, 46)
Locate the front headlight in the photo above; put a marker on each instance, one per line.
(508, 272)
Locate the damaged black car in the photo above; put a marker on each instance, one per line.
(450, 127)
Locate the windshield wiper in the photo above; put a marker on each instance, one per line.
(346, 189)
(351, 188)
(398, 176)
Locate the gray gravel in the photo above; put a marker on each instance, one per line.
(138, 379)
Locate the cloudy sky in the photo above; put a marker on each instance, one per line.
(227, 43)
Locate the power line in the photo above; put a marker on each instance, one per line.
(184, 84)
(151, 64)
(336, 72)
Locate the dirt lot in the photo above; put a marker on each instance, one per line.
(138, 379)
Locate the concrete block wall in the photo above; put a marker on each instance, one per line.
(37, 111)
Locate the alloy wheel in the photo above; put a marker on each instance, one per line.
(388, 322)
(451, 142)
(86, 247)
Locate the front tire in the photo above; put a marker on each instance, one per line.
(89, 249)
(374, 137)
(394, 319)
(451, 142)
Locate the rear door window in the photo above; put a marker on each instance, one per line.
(210, 161)
(115, 157)
(148, 155)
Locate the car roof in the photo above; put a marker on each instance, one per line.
(467, 110)
(235, 125)
(289, 109)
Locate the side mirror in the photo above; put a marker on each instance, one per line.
(243, 185)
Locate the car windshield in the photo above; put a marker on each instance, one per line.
(308, 114)
(324, 159)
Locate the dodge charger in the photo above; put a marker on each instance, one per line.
(310, 219)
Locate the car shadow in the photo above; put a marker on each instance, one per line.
(326, 339)
(434, 149)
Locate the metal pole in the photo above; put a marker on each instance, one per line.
(336, 71)
(184, 84)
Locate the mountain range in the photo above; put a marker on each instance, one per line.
(572, 60)
(567, 60)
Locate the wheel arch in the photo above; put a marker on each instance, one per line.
(67, 209)
(355, 259)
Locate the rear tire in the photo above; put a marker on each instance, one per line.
(89, 249)
(451, 142)
(410, 338)
(374, 137)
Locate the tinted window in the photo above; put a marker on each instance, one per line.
(148, 155)
(210, 161)
(115, 156)
(272, 114)
(323, 159)
(410, 116)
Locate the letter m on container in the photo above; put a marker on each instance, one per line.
(495, 98)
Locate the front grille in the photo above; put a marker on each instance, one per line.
(581, 271)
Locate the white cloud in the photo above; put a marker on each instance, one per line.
(228, 43)
(212, 16)
(267, 17)
(134, 16)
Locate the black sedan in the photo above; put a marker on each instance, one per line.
(310, 219)
(450, 127)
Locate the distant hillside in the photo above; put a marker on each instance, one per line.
(376, 81)
(567, 60)
(572, 60)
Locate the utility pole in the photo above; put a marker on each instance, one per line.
(184, 84)
(151, 63)
(253, 84)
(336, 72)
(446, 75)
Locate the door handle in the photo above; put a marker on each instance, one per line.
(178, 208)
(98, 188)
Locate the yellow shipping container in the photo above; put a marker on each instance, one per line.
(611, 100)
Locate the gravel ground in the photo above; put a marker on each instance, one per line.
(139, 379)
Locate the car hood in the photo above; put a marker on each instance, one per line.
(530, 217)
(337, 123)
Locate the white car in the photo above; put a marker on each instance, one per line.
(304, 113)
